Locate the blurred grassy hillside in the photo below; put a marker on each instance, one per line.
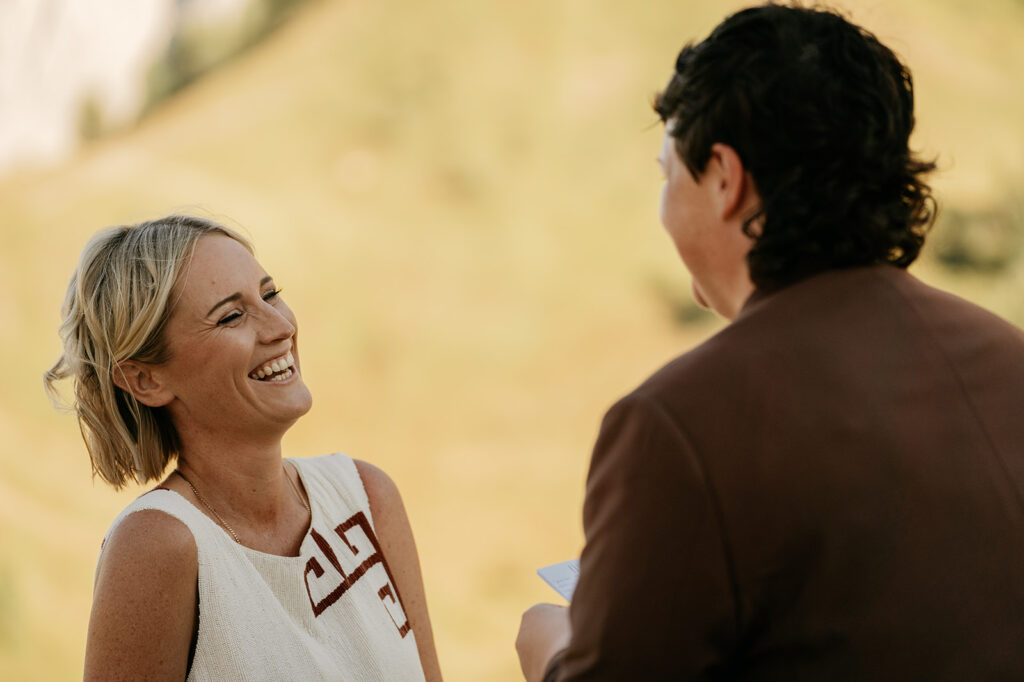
(460, 202)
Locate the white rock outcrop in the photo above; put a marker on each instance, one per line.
(56, 55)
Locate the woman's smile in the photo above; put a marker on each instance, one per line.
(279, 369)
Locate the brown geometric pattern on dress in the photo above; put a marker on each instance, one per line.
(386, 592)
(389, 592)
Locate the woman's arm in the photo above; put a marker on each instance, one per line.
(143, 609)
(391, 525)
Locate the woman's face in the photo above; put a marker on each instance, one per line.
(234, 363)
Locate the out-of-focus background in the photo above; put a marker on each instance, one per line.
(460, 202)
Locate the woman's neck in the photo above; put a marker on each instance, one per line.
(244, 482)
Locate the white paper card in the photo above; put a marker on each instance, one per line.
(562, 576)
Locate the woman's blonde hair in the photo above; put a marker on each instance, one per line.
(116, 308)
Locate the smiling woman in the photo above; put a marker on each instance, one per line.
(238, 564)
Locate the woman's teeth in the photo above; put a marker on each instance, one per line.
(281, 377)
(278, 369)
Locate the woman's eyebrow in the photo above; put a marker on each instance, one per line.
(235, 296)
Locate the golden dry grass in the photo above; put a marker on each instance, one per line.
(459, 200)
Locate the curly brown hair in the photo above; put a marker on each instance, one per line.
(821, 113)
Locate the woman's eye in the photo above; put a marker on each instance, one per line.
(229, 318)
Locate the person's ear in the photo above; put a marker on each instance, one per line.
(141, 381)
(734, 189)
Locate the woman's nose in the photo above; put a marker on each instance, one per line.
(275, 324)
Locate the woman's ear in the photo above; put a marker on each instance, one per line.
(139, 379)
(735, 193)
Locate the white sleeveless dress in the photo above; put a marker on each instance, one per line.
(331, 613)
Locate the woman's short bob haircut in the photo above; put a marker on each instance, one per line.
(116, 308)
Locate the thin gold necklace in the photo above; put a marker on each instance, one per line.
(219, 518)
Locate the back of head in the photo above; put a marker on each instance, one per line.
(116, 308)
(821, 113)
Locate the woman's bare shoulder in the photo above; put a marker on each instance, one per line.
(395, 534)
(143, 611)
(148, 550)
(380, 489)
(150, 534)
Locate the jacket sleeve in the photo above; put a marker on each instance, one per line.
(656, 595)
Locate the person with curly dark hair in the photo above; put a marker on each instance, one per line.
(820, 112)
(831, 487)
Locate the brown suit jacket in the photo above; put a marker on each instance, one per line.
(831, 488)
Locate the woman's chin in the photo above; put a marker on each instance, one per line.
(303, 402)
(296, 406)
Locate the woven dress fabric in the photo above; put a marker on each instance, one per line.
(331, 613)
